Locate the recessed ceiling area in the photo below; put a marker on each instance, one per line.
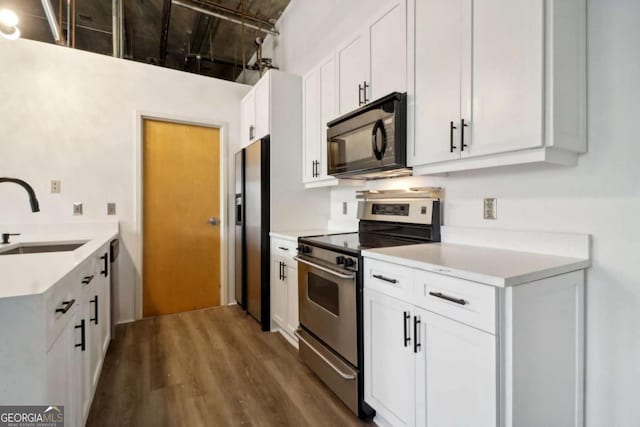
(212, 38)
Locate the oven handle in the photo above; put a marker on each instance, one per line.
(321, 356)
(325, 269)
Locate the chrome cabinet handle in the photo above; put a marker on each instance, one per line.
(325, 269)
(324, 359)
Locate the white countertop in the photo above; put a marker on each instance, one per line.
(497, 267)
(293, 235)
(32, 274)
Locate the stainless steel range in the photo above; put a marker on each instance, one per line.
(330, 282)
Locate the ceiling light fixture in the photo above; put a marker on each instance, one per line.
(9, 25)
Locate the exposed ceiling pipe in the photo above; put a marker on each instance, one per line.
(53, 23)
(238, 13)
(195, 8)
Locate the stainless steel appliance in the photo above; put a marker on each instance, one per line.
(252, 232)
(330, 284)
(239, 231)
(370, 142)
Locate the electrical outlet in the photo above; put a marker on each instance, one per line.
(77, 209)
(491, 208)
(344, 208)
(111, 208)
(55, 186)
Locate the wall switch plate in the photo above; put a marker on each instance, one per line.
(77, 209)
(491, 208)
(344, 208)
(55, 186)
(111, 208)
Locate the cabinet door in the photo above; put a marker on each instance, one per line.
(503, 76)
(262, 107)
(353, 72)
(455, 373)
(388, 35)
(311, 124)
(61, 371)
(278, 293)
(389, 385)
(291, 279)
(82, 381)
(248, 117)
(438, 43)
(329, 109)
(104, 312)
(94, 333)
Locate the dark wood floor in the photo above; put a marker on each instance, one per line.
(211, 367)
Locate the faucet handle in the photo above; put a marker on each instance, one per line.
(5, 237)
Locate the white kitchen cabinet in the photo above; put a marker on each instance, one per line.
(58, 342)
(390, 371)
(353, 72)
(255, 112)
(388, 50)
(61, 370)
(373, 62)
(477, 354)
(455, 373)
(284, 288)
(248, 118)
(497, 83)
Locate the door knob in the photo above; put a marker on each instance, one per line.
(213, 221)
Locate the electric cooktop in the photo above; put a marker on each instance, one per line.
(355, 242)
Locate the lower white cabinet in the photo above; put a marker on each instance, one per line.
(390, 373)
(284, 288)
(59, 340)
(441, 351)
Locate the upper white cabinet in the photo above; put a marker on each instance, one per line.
(373, 63)
(497, 83)
(255, 112)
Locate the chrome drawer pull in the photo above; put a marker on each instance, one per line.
(386, 279)
(448, 298)
(324, 359)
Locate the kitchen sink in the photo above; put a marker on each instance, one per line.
(27, 248)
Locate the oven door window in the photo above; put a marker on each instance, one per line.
(324, 293)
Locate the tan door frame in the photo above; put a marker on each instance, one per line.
(140, 116)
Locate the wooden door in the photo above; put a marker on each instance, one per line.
(353, 72)
(388, 358)
(455, 374)
(503, 76)
(438, 43)
(388, 35)
(181, 191)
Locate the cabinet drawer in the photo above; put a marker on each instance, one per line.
(467, 302)
(60, 303)
(390, 279)
(284, 248)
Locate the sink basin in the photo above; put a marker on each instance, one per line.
(26, 248)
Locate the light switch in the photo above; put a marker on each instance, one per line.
(77, 209)
(55, 186)
(491, 208)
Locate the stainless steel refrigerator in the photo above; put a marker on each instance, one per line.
(252, 231)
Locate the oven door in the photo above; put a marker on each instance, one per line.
(371, 139)
(327, 305)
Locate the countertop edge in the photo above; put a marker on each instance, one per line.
(500, 282)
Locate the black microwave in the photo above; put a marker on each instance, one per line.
(370, 142)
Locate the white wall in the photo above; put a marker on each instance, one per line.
(601, 196)
(70, 115)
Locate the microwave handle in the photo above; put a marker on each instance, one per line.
(379, 153)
